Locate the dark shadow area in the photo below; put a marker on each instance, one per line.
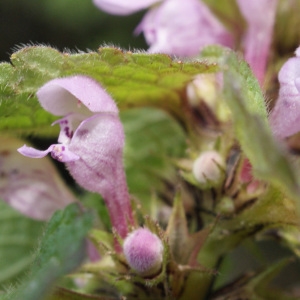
(64, 24)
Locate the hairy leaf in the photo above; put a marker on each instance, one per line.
(61, 250)
(152, 140)
(133, 79)
(17, 242)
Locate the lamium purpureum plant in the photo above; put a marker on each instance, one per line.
(183, 169)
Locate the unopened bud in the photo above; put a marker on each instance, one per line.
(144, 252)
(225, 206)
(204, 87)
(207, 167)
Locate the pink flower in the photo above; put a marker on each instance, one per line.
(285, 117)
(32, 187)
(182, 28)
(174, 27)
(91, 141)
(122, 7)
(260, 17)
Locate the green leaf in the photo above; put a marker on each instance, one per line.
(61, 250)
(18, 238)
(243, 78)
(133, 79)
(153, 138)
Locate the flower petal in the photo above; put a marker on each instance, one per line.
(168, 29)
(285, 116)
(260, 16)
(121, 7)
(34, 153)
(32, 187)
(68, 125)
(75, 94)
(59, 152)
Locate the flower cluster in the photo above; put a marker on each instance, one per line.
(218, 188)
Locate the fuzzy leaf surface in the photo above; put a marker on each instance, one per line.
(17, 243)
(133, 79)
(153, 138)
(61, 250)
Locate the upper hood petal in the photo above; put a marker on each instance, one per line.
(121, 7)
(75, 94)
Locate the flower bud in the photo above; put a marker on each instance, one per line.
(207, 166)
(143, 251)
(204, 87)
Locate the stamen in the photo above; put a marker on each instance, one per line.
(56, 152)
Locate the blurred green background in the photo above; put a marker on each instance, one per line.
(64, 24)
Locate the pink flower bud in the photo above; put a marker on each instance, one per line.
(204, 87)
(207, 166)
(143, 251)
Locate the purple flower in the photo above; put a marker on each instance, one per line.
(121, 7)
(182, 28)
(260, 17)
(32, 187)
(143, 251)
(285, 117)
(91, 141)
